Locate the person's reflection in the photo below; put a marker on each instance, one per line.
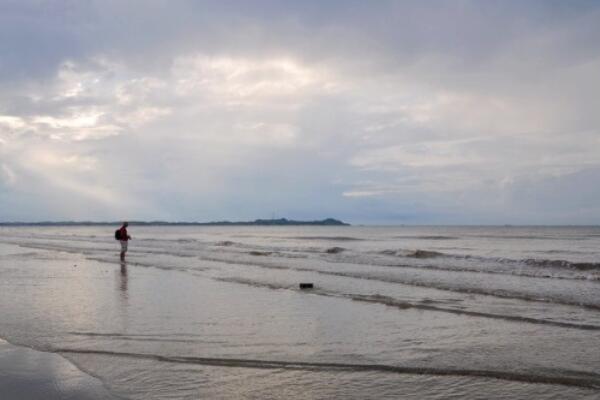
(123, 283)
(122, 296)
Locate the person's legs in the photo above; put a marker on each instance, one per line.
(123, 249)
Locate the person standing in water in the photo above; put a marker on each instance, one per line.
(123, 237)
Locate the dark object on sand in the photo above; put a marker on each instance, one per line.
(306, 286)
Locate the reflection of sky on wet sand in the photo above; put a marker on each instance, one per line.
(65, 292)
(29, 374)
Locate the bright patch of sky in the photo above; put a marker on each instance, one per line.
(373, 112)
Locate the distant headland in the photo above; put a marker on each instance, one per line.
(257, 222)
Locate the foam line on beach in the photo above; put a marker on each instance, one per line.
(388, 301)
(138, 335)
(589, 381)
(168, 338)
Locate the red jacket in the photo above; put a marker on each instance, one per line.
(123, 234)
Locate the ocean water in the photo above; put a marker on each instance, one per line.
(396, 312)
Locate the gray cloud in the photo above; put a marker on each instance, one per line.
(423, 112)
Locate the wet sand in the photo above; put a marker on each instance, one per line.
(29, 374)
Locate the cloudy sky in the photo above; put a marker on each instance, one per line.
(474, 112)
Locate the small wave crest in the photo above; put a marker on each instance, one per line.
(424, 305)
(253, 283)
(533, 262)
(260, 253)
(331, 238)
(581, 266)
(225, 243)
(427, 237)
(413, 253)
(590, 381)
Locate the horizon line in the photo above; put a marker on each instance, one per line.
(289, 221)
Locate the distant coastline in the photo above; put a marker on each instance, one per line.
(257, 222)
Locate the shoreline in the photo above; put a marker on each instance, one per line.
(30, 374)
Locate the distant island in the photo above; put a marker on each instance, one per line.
(257, 222)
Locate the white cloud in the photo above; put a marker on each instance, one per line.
(8, 175)
(10, 122)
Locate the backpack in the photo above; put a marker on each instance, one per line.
(118, 234)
